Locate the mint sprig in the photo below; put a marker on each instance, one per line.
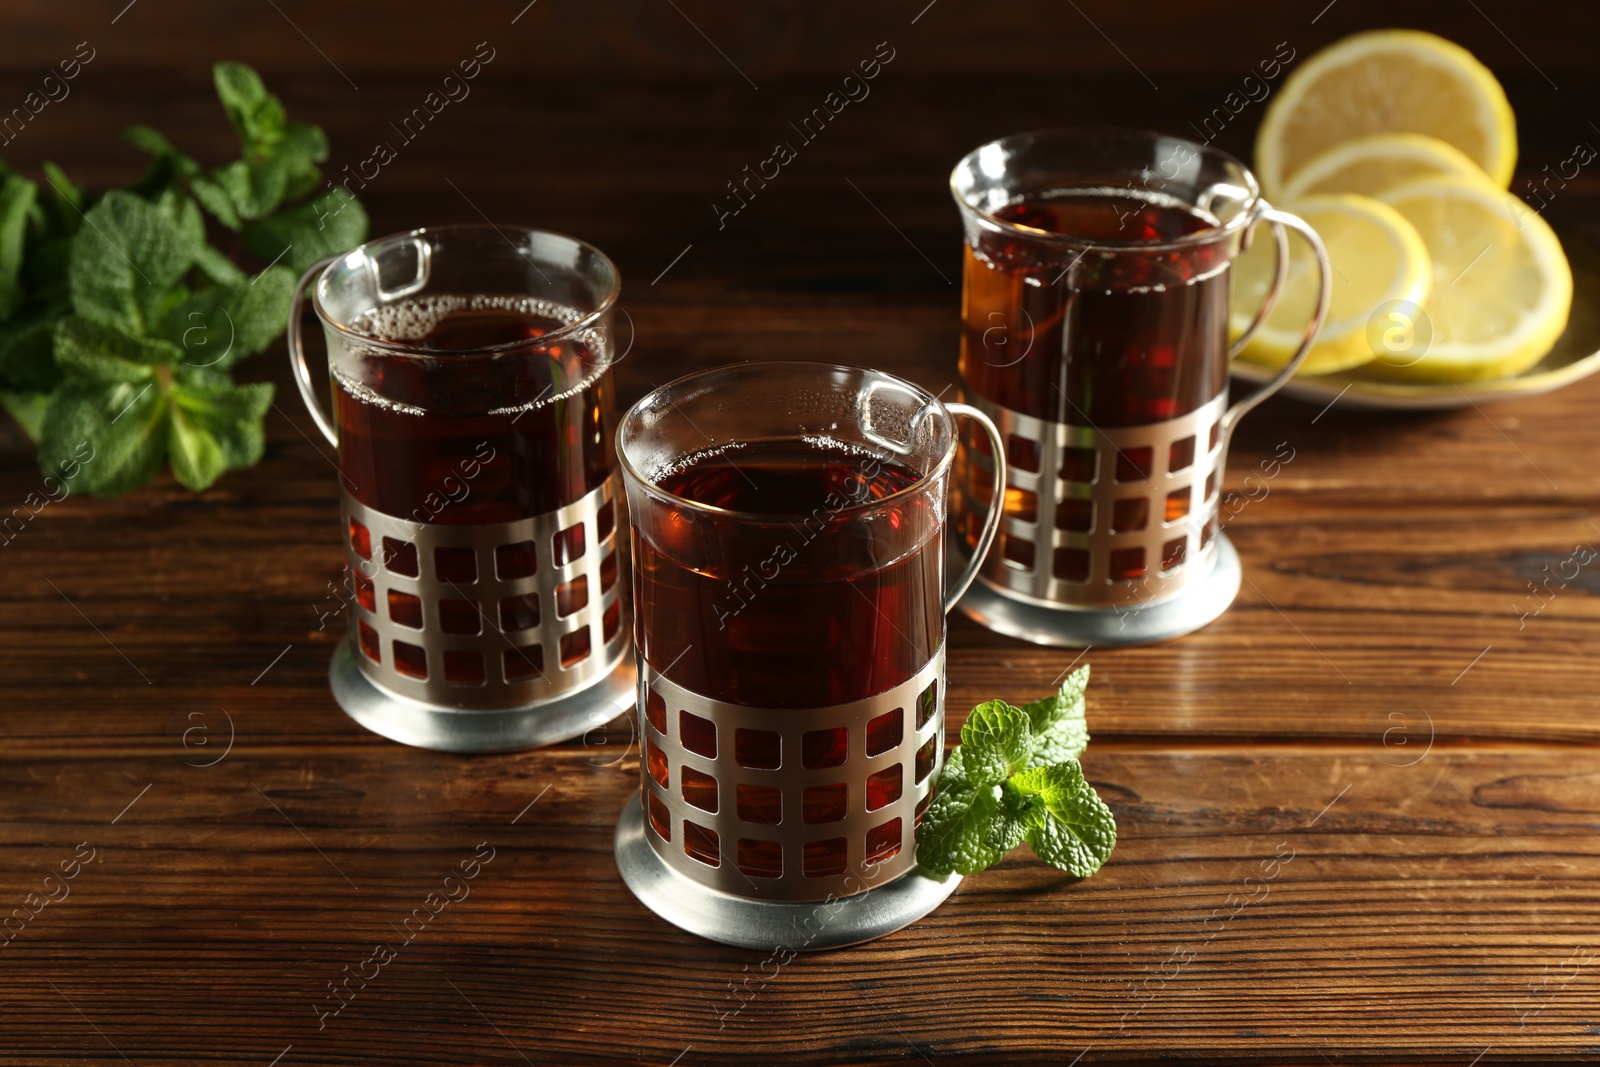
(1015, 777)
(120, 322)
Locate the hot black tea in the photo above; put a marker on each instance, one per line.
(787, 598)
(418, 440)
(1068, 334)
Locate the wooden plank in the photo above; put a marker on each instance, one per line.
(1383, 699)
(1363, 601)
(1260, 902)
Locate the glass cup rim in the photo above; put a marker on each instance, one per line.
(411, 351)
(929, 401)
(1130, 135)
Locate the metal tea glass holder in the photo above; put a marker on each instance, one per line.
(746, 830)
(474, 637)
(1110, 535)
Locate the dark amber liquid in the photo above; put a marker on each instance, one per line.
(1069, 333)
(797, 602)
(468, 437)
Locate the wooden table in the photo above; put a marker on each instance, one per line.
(1373, 713)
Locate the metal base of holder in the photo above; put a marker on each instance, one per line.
(412, 722)
(1074, 627)
(768, 925)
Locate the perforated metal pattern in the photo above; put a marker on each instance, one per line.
(1098, 517)
(489, 616)
(766, 803)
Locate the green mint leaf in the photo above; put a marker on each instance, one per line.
(254, 112)
(955, 769)
(216, 427)
(1079, 831)
(185, 214)
(994, 792)
(1067, 740)
(66, 201)
(215, 199)
(192, 452)
(98, 352)
(1018, 813)
(1076, 685)
(253, 189)
(218, 267)
(995, 741)
(274, 149)
(1060, 729)
(280, 157)
(126, 261)
(219, 326)
(956, 832)
(168, 166)
(117, 433)
(322, 226)
(262, 309)
(302, 147)
(27, 408)
(16, 204)
(303, 141)
(156, 143)
(27, 359)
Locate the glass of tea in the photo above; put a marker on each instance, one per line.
(473, 413)
(1095, 310)
(790, 595)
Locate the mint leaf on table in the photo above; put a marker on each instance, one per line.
(126, 261)
(66, 200)
(214, 198)
(217, 267)
(320, 227)
(1072, 828)
(16, 204)
(27, 408)
(255, 113)
(219, 326)
(120, 426)
(1015, 776)
(196, 417)
(168, 167)
(253, 190)
(27, 363)
(119, 321)
(280, 157)
(98, 352)
(956, 826)
(995, 742)
(129, 402)
(1060, 729)
(214, 428)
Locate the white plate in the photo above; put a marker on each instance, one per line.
(1576, 355)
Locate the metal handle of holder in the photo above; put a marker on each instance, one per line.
(997, 505)
(1280, 237)
(297, 352)
(1282, 222)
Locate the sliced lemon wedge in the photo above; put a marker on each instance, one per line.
(1378, 260)
(1369, 165)
(1502, 288)
(1387, 81)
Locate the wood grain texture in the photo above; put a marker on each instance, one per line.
(1358, 814)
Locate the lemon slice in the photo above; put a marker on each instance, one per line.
(1378, 259)
(1369, 165)
(1387, 81)
(1502, 288)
